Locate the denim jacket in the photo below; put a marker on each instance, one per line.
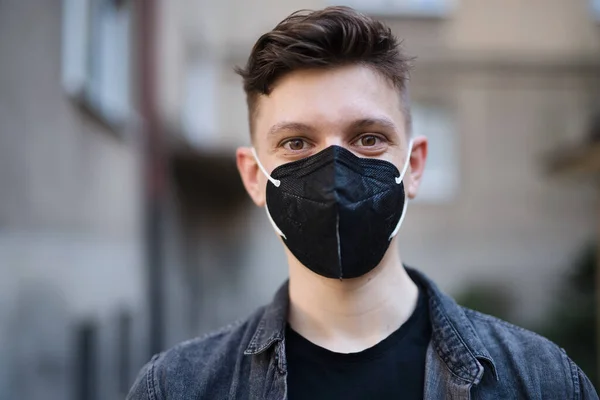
(470, 356)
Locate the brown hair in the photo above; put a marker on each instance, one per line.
(326, 38)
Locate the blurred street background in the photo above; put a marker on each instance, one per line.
(124, 227)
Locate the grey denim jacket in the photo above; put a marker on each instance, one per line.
(470, 356)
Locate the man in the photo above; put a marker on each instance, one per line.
(334, 163)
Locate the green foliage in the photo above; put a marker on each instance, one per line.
(487, 298)
(571, 322)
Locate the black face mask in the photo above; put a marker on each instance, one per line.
(336, 212)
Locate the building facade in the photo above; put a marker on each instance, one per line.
(71, 245)
(496, 85)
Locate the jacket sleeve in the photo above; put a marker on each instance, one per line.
(144, 387)
(586, 389)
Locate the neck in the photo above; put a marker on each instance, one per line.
(354, 314)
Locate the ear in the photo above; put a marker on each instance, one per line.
(251, 175)
(418, 157)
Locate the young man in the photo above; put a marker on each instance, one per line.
(333, 163)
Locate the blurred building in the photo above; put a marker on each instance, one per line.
(71, 247)
(497, 85)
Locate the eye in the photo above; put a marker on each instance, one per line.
(295, 144)
(368, 141)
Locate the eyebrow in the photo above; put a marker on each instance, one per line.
(290, 126)
(356, 124)
(367, 122)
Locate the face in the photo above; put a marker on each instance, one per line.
(308, 111)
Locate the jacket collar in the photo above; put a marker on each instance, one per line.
(453, 335)
(271, 327)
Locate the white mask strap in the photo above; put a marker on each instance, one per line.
(398, 181)
(406, 163)
(275, 182)
(395, 232)
(277, 230)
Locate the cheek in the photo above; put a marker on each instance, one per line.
(395, 157)
(262, 183)
(261, 189)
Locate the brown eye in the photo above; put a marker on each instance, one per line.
(295, 144)
(368, 141)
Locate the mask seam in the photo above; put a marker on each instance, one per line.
(339, 243)
(349, 160)
(323, 266)
(365, 170)
(318, 202)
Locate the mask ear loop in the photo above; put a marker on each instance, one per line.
(399, 181)
(275, 182)
(406, 163)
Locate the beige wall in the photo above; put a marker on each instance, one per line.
(524, 27)
(510, 223)
(70, 217)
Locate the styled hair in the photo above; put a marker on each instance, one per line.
(328, 38)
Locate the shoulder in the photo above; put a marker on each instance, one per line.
(527, 360)
(511, 338)
(196, 366)
(219, 344)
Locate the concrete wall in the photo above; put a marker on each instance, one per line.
(552, 27)
(70, 220)
(510, 222)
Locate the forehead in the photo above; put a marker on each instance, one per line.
(328, 98)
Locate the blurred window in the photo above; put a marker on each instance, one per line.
(595, 5)
(87, 361)
(441, 178)
(199, 113)
(96, 55)
(403, 7)
(124, 351)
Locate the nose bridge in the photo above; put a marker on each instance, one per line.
(334, 139)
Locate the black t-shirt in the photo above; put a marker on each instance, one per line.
(392, 369)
